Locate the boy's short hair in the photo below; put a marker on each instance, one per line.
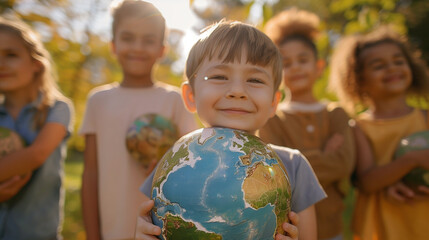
(135, 8)
(226, 40)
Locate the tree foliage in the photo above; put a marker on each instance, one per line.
(339, 17)
(84, 60)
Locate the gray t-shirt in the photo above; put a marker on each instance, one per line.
(306, 189)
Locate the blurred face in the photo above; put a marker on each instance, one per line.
(138, 44)
(300, 66)
(235, 95)
(17, 68)
(385, 71)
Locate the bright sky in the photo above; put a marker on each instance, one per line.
(177, 13)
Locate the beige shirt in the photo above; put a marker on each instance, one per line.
(375, 217)
(307, 127)
(111, 109)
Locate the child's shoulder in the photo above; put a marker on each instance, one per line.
(167, 88)
(289, 156)
(335, 108)
(103, 89)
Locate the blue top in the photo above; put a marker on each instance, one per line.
(36, 211)
(305, 187)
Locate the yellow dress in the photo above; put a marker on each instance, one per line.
(376, 217)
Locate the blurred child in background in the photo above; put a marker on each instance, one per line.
(31, 193)
(377, 72)
(111, 178)
(319, 130)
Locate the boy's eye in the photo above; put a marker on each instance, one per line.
(378, 66)
(127, 39)
(255, 80)
(399, 61)
(149, 41)
(11, 54)
(303, 60)
(216, 77)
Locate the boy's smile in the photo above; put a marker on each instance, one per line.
(236, 95)
(300, 69)
(138, 45)
(386, 71)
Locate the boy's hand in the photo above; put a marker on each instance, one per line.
(400, 192)
(11, 187)
(291, 229)
(403, 194)
(144, 228)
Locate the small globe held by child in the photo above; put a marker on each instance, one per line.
(414, 142)
(220, 183)
(10, 141)
(149, 137)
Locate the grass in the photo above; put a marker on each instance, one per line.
(73, 226)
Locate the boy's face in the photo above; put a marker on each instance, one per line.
(300, 67)
(386, 71)
(138, 44)
(235, 95)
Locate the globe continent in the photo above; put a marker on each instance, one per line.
(149, 137)
(415, 142)
(9, 141)
(219, 183)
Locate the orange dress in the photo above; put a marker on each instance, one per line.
(376, 217)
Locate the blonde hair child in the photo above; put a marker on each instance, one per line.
(32, 106)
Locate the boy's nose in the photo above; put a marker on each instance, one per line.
(237, 90)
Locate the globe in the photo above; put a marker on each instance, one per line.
(9, 141)
(416, 141)
(220, 183)
(149, 137)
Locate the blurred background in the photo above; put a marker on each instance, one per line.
(78, 34)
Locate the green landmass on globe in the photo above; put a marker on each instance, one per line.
(10, 141)
(149, 137)
(219, 183)
(415, 142)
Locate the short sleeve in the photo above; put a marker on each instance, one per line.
(306, 189)
(62, 113)
(146, 187)
(88, 122)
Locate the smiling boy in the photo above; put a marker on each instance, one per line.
(111, 178)
(233, 74)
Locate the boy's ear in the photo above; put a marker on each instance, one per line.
(163, 51)
(112, 47)
(276, 100)
(188, 97)
(320, 66)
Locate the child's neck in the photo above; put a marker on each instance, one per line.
(137, 81)
(390, 108)
(303, 97)
(14, 102)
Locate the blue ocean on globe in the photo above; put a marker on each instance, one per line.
(220, 183)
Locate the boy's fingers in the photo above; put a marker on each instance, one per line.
(145, 208)
(424, 189)
(294, 218)
(146, 230)
(9, 182)
(291, 230)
